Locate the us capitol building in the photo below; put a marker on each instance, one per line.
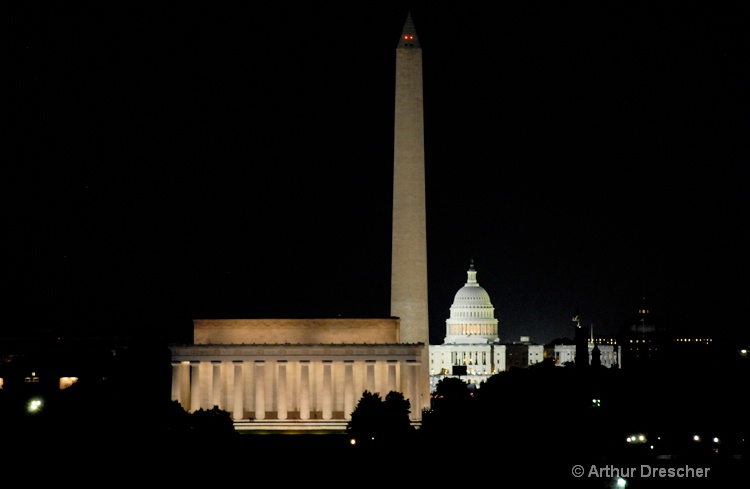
(473, 352)
(471, 349)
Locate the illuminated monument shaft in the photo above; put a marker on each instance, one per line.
(308, 374)
(409, 233)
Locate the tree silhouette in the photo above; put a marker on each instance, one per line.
(396, 423)
(213, 423)
(451, 406)
(364, 424)
(377, 422)
(596, 357)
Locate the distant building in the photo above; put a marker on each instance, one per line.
(646, 341)
(563, 354)
(523, 353)
(564, 351)
(473, 352)
(45, 362)
(471, 349)
(643, 338)
(293, 374)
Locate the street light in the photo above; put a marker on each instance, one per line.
(34, 405)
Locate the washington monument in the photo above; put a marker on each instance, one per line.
(409, 233)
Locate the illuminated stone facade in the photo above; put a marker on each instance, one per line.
(471, 349)
(304, 383)
(561, 355)
(409, 227)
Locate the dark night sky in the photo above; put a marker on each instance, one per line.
(177, 161)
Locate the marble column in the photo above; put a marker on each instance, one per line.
(416, 402)
(348, 389)
(216, 384)
(176, 371)
(392, 386)
(260, 390)
(304, 390)
(238, 411)
(195, 386)
(185, 385)
(281, 409)
(370, 376)
(327, 390)
(248, 374)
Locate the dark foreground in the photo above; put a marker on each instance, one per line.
(134, 458)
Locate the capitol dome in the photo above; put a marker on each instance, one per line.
(472, 315)
(472, 294)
